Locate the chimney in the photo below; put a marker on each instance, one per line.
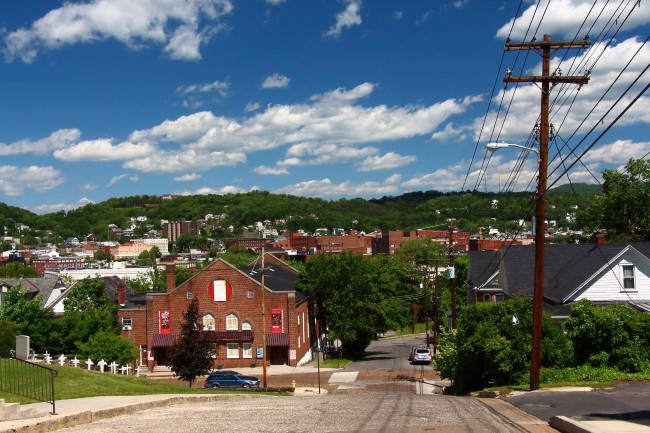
(120, 295)
(171, 277)
(600, 239)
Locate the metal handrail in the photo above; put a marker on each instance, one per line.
(29, 380)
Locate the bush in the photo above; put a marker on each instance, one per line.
(489, 349)
(109, 347)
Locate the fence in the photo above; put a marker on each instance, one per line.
(28, 380)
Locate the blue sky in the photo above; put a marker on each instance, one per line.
(322, 98)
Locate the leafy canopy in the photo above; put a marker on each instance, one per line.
(358, 298)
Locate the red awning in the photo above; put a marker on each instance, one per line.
(277, 340)
(163, 340)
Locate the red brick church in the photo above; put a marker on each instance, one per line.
(230, 303)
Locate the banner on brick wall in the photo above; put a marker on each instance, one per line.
(276, 321)
(164, 322)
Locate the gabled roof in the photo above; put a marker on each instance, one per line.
(41, 287)
(567, 267)
(278, 276)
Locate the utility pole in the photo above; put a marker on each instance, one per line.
(435, 307)
(546, 79)
(452, 277)
(264, 324)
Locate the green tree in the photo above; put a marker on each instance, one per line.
(614, 336)
(108, 346)
(8, 334)
(18, 270)
(622, 209)
(191, 356)
(489, 347)
(29, 317)
(101, 254)
(87, 310)
(358, 298)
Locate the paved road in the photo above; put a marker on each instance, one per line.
(627, 401)
(325, 413)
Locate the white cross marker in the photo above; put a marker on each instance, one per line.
(89, 363)
(75, 362)
(62, 359)
(47, 358)
(113, 367)
(102, 364)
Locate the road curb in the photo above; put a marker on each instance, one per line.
(513, 415)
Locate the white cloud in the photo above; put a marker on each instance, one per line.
(398, 15)
(263, 170)
(102, 150)
(115, 179)
(252, 106)
(567, 114)
(89, 187)
(565, 17)
(327, 188)
(174, 162)
(618, 152)
(220, 87)
(15, 181)
(275, 81)
(275, 2)
(50, 208)
(57, 140)
(229, 189)
(135, 23)
(389, 160)
(347, 18)
(187, 177)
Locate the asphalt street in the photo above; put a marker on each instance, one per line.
(627, 401)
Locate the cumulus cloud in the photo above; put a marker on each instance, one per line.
(102, 150)
(264, 170)
(565, 18)
(327, 188)
(275, 81)
(174, 24)
(50, 208)
(387, 161)
(187, 177)
(15, 181)
(618, 152)
(574, 110)
(347, 18)
(56, 140)
(174, 161)
(217, 86)
(229, 189)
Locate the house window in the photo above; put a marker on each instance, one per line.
(189, 294)
(628, 277)
(126, 322)
(246, 326)
(247, 350)
(233, 350)
(486, 297)
(232, 323)
(250, 294)
(499, 297)
(209, 323)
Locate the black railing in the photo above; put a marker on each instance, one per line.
(28, 380)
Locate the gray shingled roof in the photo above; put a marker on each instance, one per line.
(41, 287)
(277, 277)
(566, 267)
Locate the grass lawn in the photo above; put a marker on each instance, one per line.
(79, 383)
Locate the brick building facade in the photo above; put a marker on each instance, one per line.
(230, 303)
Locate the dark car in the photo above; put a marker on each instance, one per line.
(230, 379)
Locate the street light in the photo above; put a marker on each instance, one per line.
(493, 147)
(538, 290)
